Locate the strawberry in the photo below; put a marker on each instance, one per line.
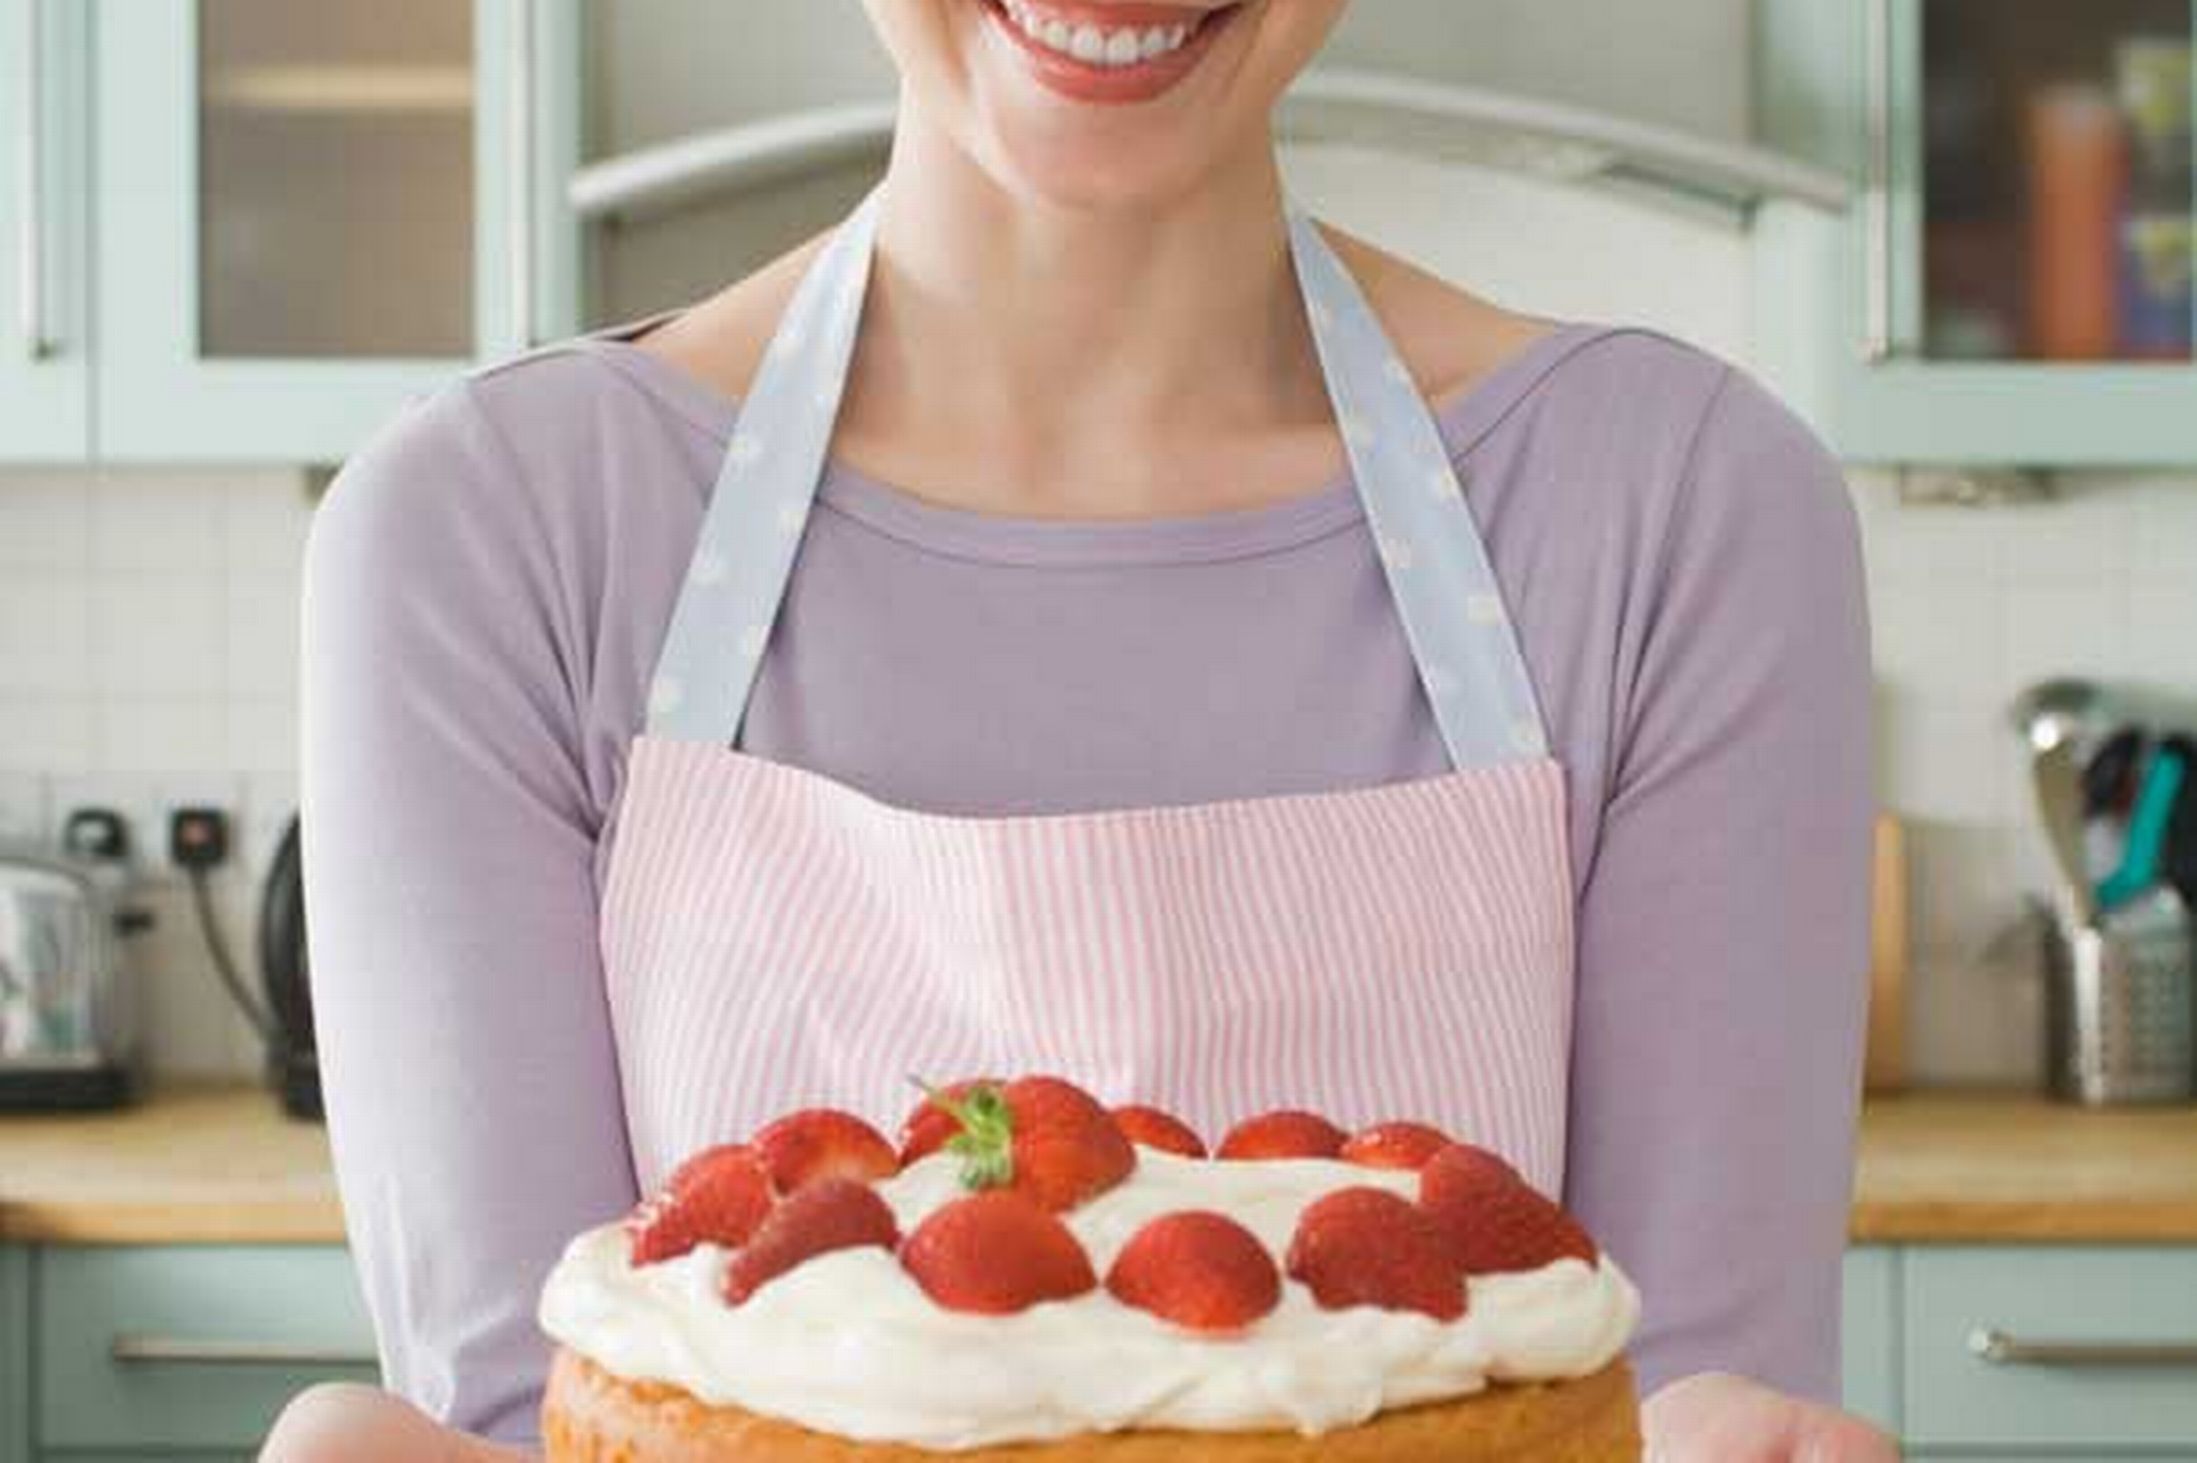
(828, 1214)
(820, 1143)
(1200, 1270)
(1157, 1129)
(1394, 1145)
(1494, 1220)
(1370, 1247)
(995, 1253)
(720, 1195)
(929, 1126)
(1040, 1136)
(1284, 1134)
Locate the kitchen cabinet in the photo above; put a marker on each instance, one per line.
(2117, 1377)
(151, 1349)
(45, 309)
(1869, 1335)
(263, 225)
(15, 1356)
(2014, 285)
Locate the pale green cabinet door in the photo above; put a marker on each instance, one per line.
(15, 1356)
(1869, 1333)
(187, 1349)
(2013, 284)
(45, 307)
(310, 212)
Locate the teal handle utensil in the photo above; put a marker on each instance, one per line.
(2147, 824)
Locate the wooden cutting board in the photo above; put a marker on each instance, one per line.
(1885, 1067)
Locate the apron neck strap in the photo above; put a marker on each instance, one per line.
(1437, 568)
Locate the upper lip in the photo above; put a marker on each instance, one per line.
(1122, 14)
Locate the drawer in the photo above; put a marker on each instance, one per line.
(189, 1347)
(2066, 1378)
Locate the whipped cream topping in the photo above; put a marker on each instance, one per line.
(849, 1344)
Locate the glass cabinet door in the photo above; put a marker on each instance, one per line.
(44, 305)
(336, 184)
(310, 210)
(2054, 181)
(2014, 284)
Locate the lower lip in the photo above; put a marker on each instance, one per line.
(1085, 82)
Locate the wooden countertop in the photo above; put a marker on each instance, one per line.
(223, 1165)
(188, 1166)
(2006, 1168)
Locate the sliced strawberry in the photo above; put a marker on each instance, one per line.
(1370, 1247)
(718, 1196)
(1395, 1145)
(1197, 1269)
(828, 1214)
(821, 1143)
(995, 1253)
(1493, 1219)
(929, 1126)
(1039, 1136)
(1155, 1128)
(1284, 1134)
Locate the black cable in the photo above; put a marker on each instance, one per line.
(225, 966)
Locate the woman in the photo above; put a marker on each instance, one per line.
(1088, 539)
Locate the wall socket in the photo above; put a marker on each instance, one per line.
(147, 804)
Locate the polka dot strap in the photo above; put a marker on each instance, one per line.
(1437, 568)
(1438, 572)
(760, 505)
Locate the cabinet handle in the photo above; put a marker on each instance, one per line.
(31, 178)
(520, 125)
(1878, 343)
(138, 1350)
(2000, 1349)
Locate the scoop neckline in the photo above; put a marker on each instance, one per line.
(1206, 535)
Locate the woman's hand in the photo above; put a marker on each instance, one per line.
(340, 1422)
(1717, 1417)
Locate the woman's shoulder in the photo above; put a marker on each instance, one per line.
(1632, 420)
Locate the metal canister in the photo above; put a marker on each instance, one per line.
(2121, 1005)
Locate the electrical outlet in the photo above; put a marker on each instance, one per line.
(135, 797)
(217, 792)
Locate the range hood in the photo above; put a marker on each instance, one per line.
(1327, 105)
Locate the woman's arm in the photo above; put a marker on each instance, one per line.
(449, 834)
(1723, 936)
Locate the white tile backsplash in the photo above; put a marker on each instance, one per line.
(148, 642)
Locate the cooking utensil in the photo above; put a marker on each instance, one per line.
(2178, 860)
(2055, 716)
(2111, 776)
(2065, 709)
(2059, 788)
(2156, 801)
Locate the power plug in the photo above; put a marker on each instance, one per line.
(198, 838)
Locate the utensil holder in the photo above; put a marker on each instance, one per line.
(2121, 1005)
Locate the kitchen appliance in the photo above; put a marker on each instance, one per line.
(68, 1016)
(293, 1062)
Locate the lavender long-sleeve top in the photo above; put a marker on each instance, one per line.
(488, 585)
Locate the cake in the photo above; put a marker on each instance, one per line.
(1029, 1275)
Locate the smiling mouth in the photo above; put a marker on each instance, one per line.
(1109, 52)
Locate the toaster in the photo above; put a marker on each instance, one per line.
(68, 1014)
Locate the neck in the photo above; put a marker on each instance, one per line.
(1049, 332)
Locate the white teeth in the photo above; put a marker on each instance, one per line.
(1091, 45)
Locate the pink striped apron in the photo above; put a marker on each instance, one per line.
(774, 939)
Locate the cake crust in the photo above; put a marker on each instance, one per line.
(591, 1416)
